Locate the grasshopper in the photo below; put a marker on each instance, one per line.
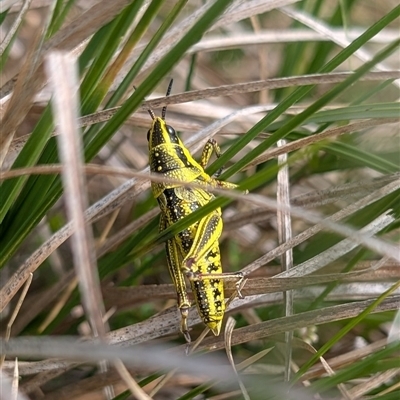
(194, 252)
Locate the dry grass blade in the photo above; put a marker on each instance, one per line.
(62, 299)
(328, 369)
(346, 395)
(394, 332)
(123, 296)
(147, 358)
(47, 375)
(391, 389)
(343, 292)
(63, 79)
(135, 389)
(15, 381)
(262, 60)
(373, 382)
(346, 359)
(284, 235)
(83, 387)
(253, 359)
(159, 384)
(107, 229)
(16, 311)
(222, 42)
(39, 303)
(309, 199)
(7, 389)
(255, 86)
(9, 4)
(338, 250)
(6, 41)
(64, 82)
(357, 189)
(230, 325)
(120, 236)
(21, 100)
(245, 9)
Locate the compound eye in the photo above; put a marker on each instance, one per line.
(172, 134)
(148, 135)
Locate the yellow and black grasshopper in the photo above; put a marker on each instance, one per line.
(194, 252)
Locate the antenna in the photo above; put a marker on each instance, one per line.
(164, 109)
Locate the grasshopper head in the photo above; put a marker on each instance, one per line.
(160, 133)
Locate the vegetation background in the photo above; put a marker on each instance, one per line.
(302, 97)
